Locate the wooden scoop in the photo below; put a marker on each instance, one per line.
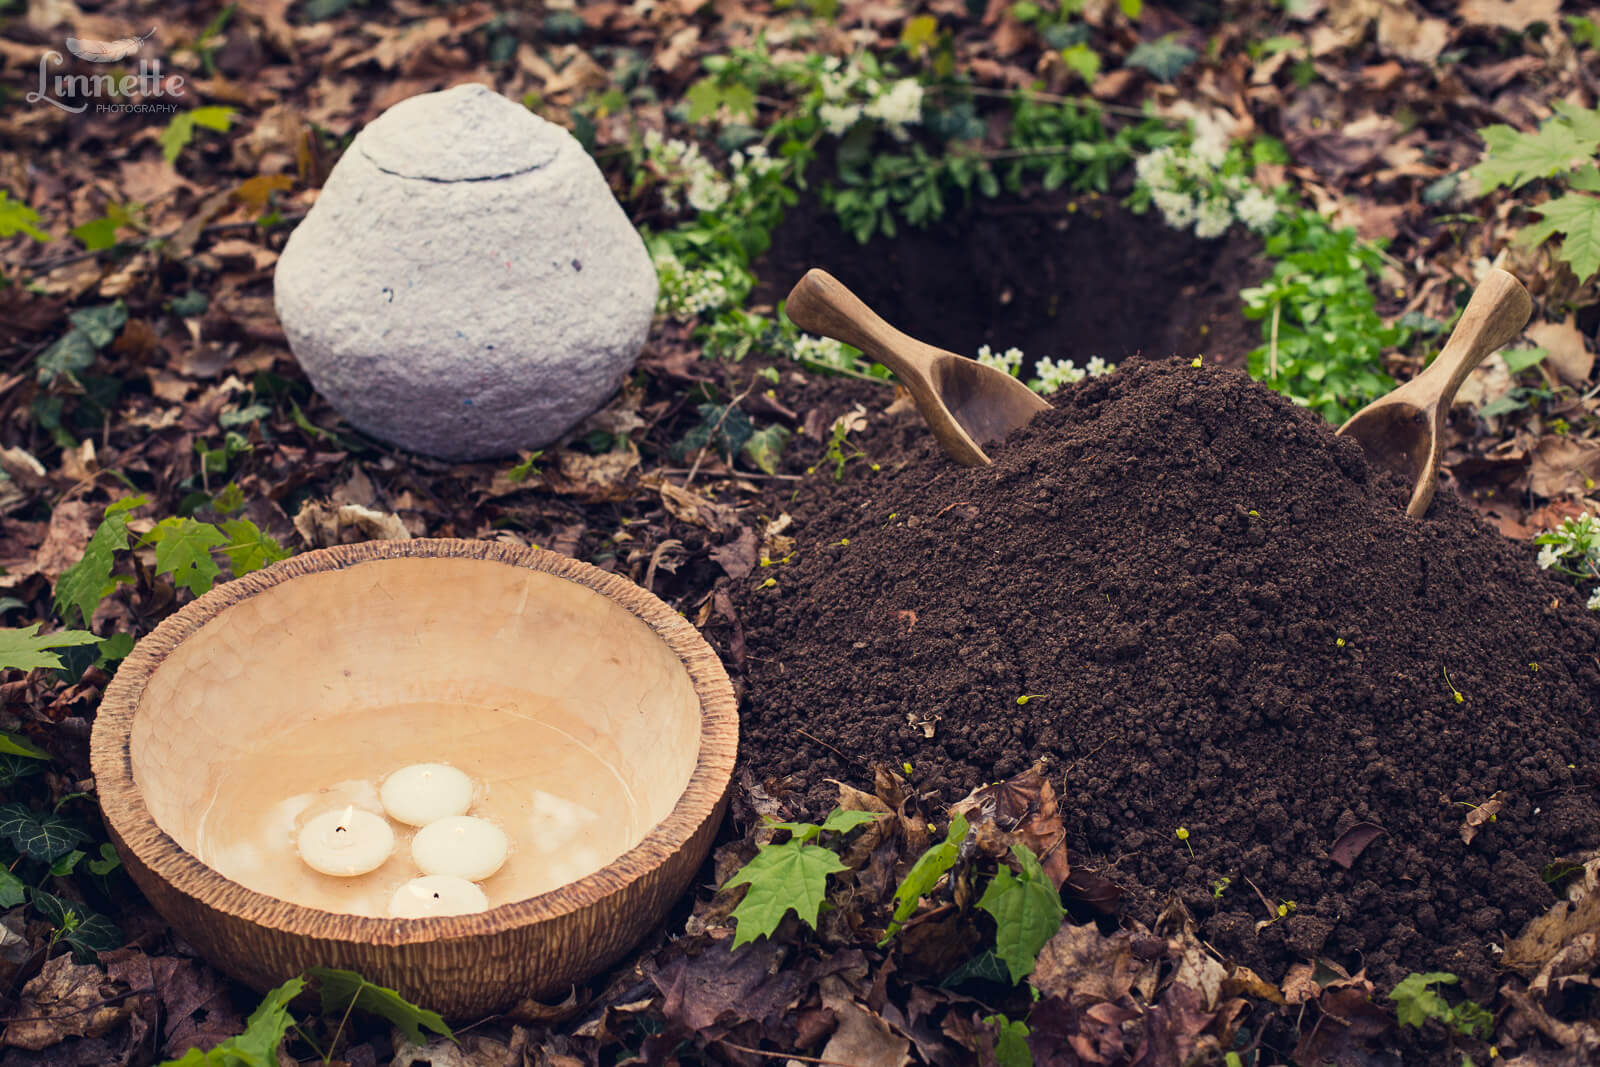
(965, 403)
(1401, 431)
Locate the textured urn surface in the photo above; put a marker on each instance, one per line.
(361, 624)
(465, 285)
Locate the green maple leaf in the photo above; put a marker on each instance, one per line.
(1011, 1041)
(83, 584)
(342, 990)
(27, 648)
(1577, 216)
(43, 837)
(248, 549)
(782, 878)
(1027, 912)
(1566, 140)
(263, 1033)
(183, 550)
(925, 874)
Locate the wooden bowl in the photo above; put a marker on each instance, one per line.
(349, 629)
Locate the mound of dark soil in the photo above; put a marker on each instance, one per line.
(1222, 620)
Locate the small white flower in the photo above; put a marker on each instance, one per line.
(1548, 555)
(901, 105)
(1098, 367)
(838, 118)
(1155, 169)
(1256, 209)
(1211, 139)
(1053, 374)
(1594, 600)
(1009, 361)
(1214, 218)
(1177, 208)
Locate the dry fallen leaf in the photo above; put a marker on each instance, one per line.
(1562, 466)
(64, 1000)
(1515, 15)
(1481, 815)
(1569, 354)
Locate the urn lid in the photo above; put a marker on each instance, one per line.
(469, 133)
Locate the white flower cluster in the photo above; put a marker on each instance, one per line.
(851, 93)
(687, 294)
(823, 350)
(687, 175)
(1574, 548)
(1187, 186)
(1053, 373)
(684, 169)
(1009, 361)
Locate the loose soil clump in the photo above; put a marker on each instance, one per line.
(1221, 620)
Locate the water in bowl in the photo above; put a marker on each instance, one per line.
(565, 805)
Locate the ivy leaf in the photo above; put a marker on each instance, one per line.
(1578, 217)
(984, 967)
(13, 766)
(248, 549)
(108, 861)
(183, 550)
(83, 584)
(88, 932)
(71, 353)
(17, 217)
(39, 836)
(26, 649)
(102, 323)
(1027, 912)
(782, 878)
(925, 874)
(343, 989)
(13, 890)
(263, 1033)
(1165, 58)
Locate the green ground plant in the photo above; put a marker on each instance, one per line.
(1324, 337)
(790, 876)
(341, 994)
(1416, 1002)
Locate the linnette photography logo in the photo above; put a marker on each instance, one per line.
(129, 92)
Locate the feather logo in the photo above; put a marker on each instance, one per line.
(107, 51)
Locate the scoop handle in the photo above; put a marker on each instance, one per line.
(1499, 309)
(821, 304)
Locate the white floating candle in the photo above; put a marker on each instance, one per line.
(461, 845)
(346, 843)
(424, 792)
(436, 894)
